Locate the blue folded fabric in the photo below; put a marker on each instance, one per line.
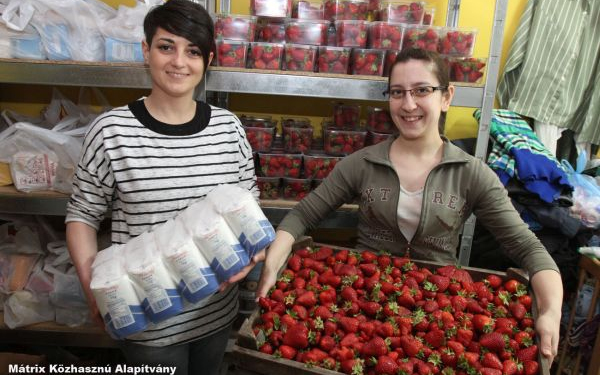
(518, 153)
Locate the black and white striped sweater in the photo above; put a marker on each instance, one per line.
(146, 172)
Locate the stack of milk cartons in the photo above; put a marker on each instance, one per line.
(150, 278)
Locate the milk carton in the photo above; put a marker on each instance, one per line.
(115, 296)
(244, 217)
(194, 278)
(151, 279)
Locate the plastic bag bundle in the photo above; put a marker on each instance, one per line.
(124, 33)
(24, 308)
(244, 216)
(586, 193)
(214, 238)
(194, 277)
(115, 296)
(151, 279)
(40, 159)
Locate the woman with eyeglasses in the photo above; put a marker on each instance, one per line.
(417, 190)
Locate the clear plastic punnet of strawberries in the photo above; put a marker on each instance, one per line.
(360, 312)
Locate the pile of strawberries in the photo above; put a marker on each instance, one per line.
(268, 187)
(271, 32)
(306, 32)
(265, 56)
(319, 167)
(295, 188)
(305, 10)
(334, 60)
(367, 62)
(285, 165)
(271, 8)
(260, 139)
(297, 138)
(423, 38)
(232, 53)
(237, 28)
(362, 313)
(457, 43)
(346, 10)
(300, 57)
(385, 35)
(466, 70)
(351, 34)
(346, 116)
(405, 13)
(343, 142)
(379, 120)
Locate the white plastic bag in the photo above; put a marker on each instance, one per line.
(115, 296)
(24, 308)
(191, 271)
(40, 159)
(244, 216)
(153, 283)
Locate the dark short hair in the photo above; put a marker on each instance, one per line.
(440, 70)
(183, 18)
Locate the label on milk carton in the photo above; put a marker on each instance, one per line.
(118, 308)
(189, 269)
(223, 252)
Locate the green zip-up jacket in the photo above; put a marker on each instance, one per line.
(458, 186)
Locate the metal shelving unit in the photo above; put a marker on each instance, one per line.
(228, 80)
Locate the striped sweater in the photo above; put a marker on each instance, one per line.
(146, 172)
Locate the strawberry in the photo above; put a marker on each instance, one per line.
(307, 299)
(368, 269)
(411, 345)
(493, 281)
(513, 285)
(287, 352)
(370, 308)
(525, 300)
(505, 326)
(490, 371)
(349, 294)
(327, 296)
(441, 282)
(352, 366)
(266, 348)
(530, 367)
(386, 365)
(349, 325)
(493, 341)
(435, 338)
(351, 34)
(456, 346)
(314, 356)
(296, 336)
(483, 323)
(510, 367)
(491, 360)
(374, 348)
(386, 329)
(517, 310)
(528, 354)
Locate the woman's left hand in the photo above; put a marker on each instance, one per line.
(548, 328)
(258, 257)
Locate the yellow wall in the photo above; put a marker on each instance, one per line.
(460, 123)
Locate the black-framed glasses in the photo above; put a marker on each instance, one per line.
(417, 92)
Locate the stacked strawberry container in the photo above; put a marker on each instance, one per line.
(359, 37)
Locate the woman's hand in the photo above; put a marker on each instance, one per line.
(276, 256)
(258, 257)
(547, 327)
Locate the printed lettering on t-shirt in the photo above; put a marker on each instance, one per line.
(367, 195)
(381, 235)
(447, 200)
(440, 243)
(384, 193)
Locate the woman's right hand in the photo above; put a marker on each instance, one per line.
(276, 256)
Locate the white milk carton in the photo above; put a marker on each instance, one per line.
(115, 296)
(193, 275)
(215, 239)
(244, 216)
(151, 279)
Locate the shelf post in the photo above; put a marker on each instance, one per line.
(483, 133)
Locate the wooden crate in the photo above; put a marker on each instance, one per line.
(247, 356)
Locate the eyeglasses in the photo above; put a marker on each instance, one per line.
(417, 92)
